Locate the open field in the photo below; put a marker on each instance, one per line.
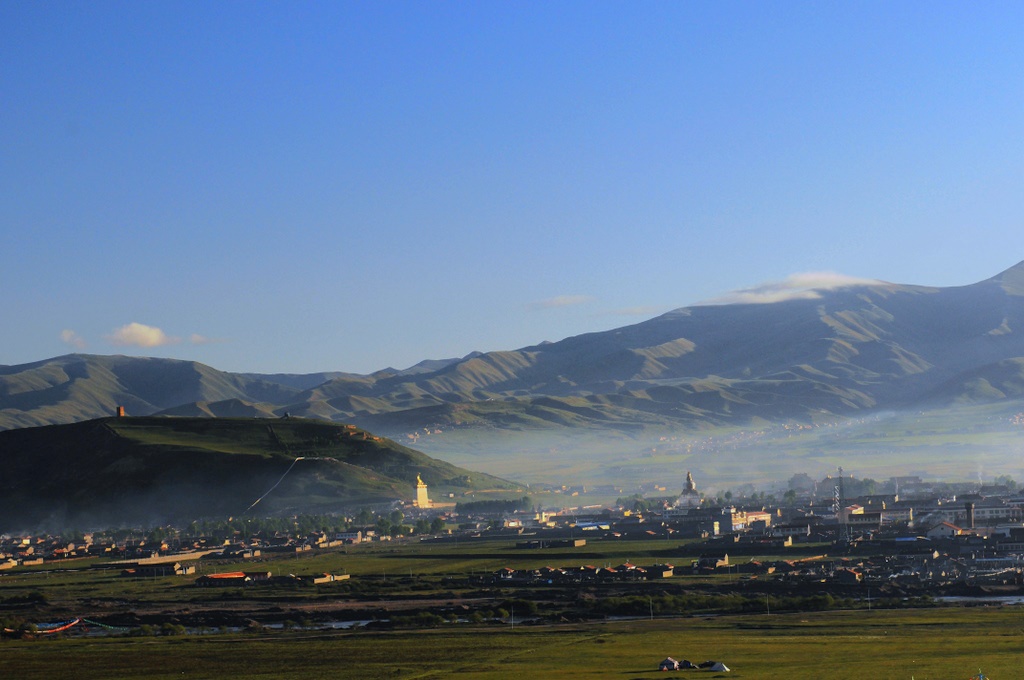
(898, 645)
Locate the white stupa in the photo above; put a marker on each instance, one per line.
(690, 497)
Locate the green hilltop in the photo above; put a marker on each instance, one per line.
(136, 470)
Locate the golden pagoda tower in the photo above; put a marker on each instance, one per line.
(422, 500)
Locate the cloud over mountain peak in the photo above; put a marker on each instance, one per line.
(801, 286)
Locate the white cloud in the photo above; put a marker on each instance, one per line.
(140, 335)
(561, 301)
(804, 286)
(72, 338)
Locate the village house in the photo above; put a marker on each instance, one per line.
(349, 537)
(846, 576)
(986, 512)
(156, 570)
(658, 571)
(792, 530)
(711, 561)
(233, 578)
(243, 552)
(326, 578)
(224, 579)
(865, 521)
(944, 530)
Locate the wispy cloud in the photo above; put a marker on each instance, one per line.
(140, 335)
(635, 311)
(804, 286)
(561, 301)
(69, 337)
(197, 339)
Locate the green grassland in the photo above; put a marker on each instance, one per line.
(426, 563)
(898, 645)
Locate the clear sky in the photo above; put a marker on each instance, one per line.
(313, 186)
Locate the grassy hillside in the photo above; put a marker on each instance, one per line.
(228, 408)
(149, 469)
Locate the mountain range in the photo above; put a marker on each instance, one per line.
(842, 351)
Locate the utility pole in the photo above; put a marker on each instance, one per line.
(838, 500)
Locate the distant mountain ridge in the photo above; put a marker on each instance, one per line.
(79, 387)
(842, 351)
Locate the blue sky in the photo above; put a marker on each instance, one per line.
(299, 187)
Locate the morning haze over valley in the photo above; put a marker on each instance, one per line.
(510, 341)
(885, 379)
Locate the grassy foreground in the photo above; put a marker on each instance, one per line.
(921, 644)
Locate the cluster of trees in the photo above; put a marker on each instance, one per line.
(752, 498)
(518, 608)
(493, 507)
(16, 627)
(247, 527)
(166, 629)
(663, 604)
(1007, 481)
(684, 603)
(637, 503)
(391, 523)
(802, 484)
